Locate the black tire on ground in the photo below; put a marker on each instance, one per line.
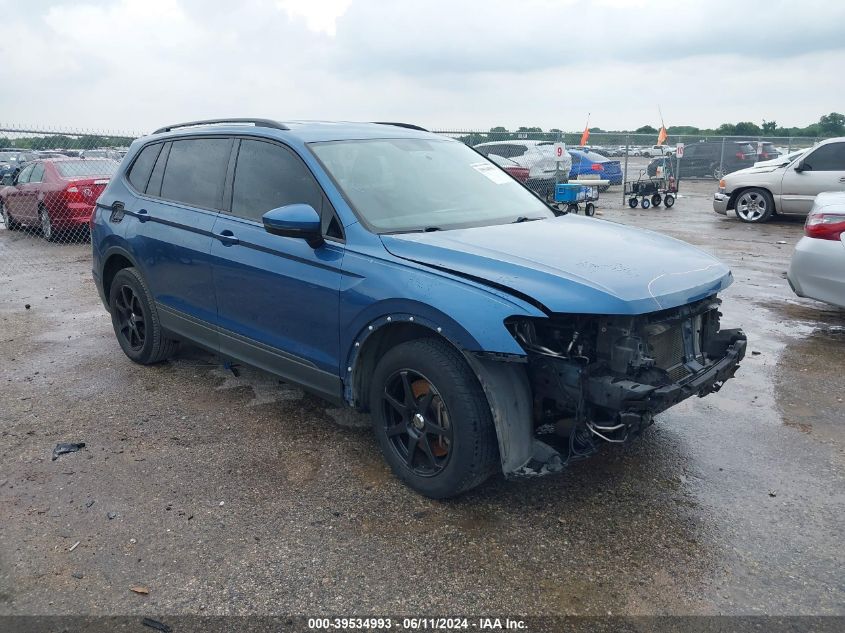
(633, 202)
(402, 419)
(754, 205)
(135, 319)
(716, 171)
(656, 199)
(644, 203)
(669, 200)
(589, 209)
(572, 208)
(8, 220)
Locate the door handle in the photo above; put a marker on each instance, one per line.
(842, 179)
(226, 237)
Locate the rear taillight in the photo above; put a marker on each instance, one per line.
(740, 155)
(825, 226)
(73, 194)
(597, 167)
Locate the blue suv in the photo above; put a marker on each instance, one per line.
(405, 275)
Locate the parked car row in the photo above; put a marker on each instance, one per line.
(534, 164)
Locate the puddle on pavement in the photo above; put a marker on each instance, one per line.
(810, 383)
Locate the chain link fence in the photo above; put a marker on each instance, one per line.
(51, 178)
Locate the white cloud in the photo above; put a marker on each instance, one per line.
(319, 15)
(138, 64)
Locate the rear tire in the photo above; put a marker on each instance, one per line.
(669, 200)
(432, 419)
(589, 209)
(633, 202)
(135, 319)
(46, 222)
(656, 199)
(645, 203)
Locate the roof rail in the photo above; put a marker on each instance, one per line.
(256, 122)
(409, 126)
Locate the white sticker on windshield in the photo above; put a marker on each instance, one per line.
(492, 172)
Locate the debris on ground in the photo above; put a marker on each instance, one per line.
(155, 624)
(62, 448)
(89, 503)
(140, 590)
(74, 546)
(78, 575)
(27, 306)
(754, 352)
(232, 367)
(772, 493)
(111, 515)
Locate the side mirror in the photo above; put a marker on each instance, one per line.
(799, 166)
(295, 220)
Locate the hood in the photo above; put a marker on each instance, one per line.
(572, 264)
(759, 168)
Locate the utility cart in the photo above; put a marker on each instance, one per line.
(569, 196)
(649, 191)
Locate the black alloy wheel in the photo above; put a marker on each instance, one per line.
(131, 325)
(417, 422)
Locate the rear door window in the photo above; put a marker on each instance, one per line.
(37, 173)
(830, 157)
(268, 176)
(139, 175)
(196, 171)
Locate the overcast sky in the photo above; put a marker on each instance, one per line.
(136, 64)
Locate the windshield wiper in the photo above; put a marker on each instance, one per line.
(524, 218)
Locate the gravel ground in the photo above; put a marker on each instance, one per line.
(226, 494)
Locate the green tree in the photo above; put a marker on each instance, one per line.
(769, 127)
(645, 129)
(832, 124)
(747, 128)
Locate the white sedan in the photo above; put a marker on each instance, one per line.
(817, 270)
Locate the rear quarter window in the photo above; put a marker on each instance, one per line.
(139, 174)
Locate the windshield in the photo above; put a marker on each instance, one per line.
(85, 168)
(8, 157)
(403, 185)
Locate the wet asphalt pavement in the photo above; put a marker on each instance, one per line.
(241, 495)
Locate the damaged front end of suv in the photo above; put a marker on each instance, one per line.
(603, 378)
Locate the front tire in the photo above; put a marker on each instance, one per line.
(754, 206)
(8, 220)
(135, 319)
(432, 419)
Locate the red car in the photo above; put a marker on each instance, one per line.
(56, 194)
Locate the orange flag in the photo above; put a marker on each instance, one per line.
(661, 136)
(585, 136)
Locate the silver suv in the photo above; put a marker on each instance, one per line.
(537, 156)
(787, 187)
